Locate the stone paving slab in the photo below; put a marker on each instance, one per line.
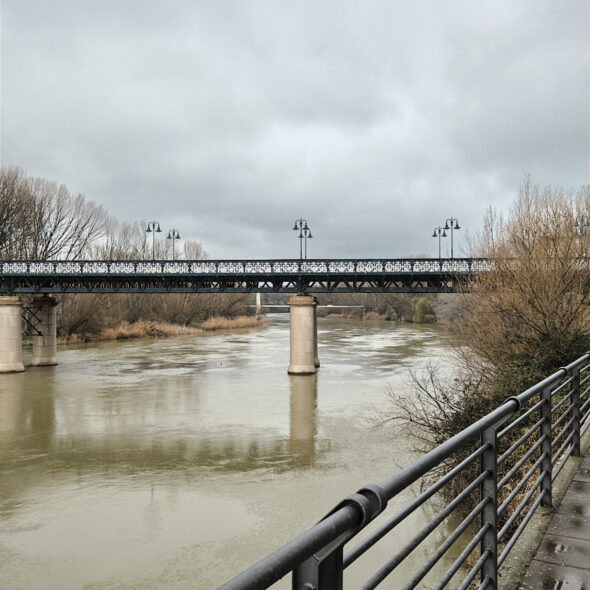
(584, 471)
(579, 488)
(575, 506)
(575, 527)
(550, 576)
(564, 551)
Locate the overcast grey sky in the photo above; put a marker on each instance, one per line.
(374, 120)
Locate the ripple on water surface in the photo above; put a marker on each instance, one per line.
(174, 463)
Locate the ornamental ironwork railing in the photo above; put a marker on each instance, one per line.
(243, 267)
(505, 466)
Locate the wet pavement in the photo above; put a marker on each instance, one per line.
(562, 561)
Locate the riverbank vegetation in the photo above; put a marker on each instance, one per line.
(161, 329)
(402, 307)
(43, 221)
(518, 323)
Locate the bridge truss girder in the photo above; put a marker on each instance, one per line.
(303, 283)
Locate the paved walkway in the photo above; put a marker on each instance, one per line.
(562, 561)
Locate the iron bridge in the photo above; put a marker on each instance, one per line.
(411, 275)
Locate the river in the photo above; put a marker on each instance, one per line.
(175, 463)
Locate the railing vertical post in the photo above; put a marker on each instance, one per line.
(576, 412)
(322, 571)
(489, 514)
(545, 433)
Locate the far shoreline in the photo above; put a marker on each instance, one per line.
(159, 329)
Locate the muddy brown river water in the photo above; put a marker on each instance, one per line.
(175, 463)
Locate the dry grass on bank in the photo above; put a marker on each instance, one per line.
(125, 330)
(242, 321)
(373, 315)
(156, 329)
(144, 328)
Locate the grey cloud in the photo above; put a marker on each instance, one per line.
(375, 121)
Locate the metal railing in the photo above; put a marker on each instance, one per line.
(505, 466)
(243, 267)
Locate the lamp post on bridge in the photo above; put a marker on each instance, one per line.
(45, 237)
(439, 231)
(454, 225)
(153, 227)
(173, 235)
(304, 233)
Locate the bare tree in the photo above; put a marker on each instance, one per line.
(39, 219)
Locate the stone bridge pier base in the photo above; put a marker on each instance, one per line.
(45, 344)
(316, 358)
(11, 340)
(303, 335)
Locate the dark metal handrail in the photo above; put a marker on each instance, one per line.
(316, 557)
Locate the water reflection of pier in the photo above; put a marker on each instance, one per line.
(36, 424)
(304, 392)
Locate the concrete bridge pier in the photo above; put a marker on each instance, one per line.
(316, 358)
(45, 344)
(11, 340)
(303, 326)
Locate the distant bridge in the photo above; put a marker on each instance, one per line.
(397, 275)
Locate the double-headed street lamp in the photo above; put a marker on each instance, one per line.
(439, 231)
(45, 238)
(454, 225)
(153, 227)
(173, 235)
(304, 233)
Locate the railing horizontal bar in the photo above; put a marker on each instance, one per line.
(462, 557)
(586, 391)
(582, 381)
(558, 389)
(518, 509)
(532, 430)
(390, 565)
(474, 571)
(563, 431)
(562, 464)
(424, 464)
(585, 405)
(583, 432)
(520, 485)
(558, 405)
(562, 448)
(487, 581)
(273, 567)
(520, 528)
(446, 545)
(561, 418)
(496, 418)
(519, 463)
(520, 418)
(370, 540)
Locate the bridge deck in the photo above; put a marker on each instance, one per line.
(416, 275)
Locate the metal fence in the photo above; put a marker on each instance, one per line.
(504, 468)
